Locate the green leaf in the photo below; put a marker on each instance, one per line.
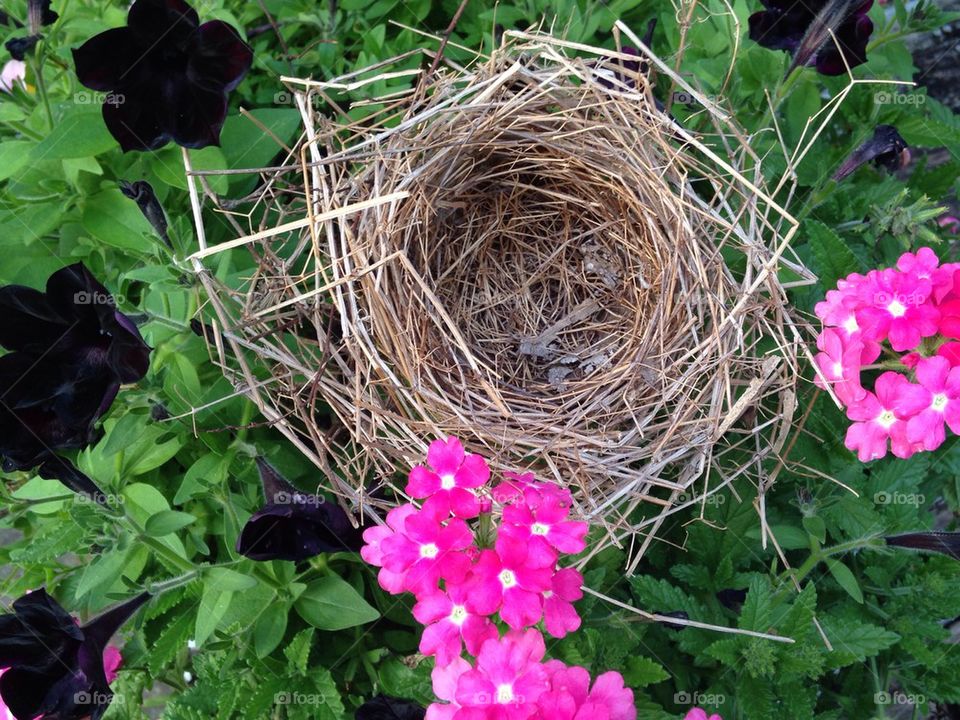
(246, 145)
(834, 260)
(298, 651)
(102, 572)
(270, 628)
(117, 221)
(13, 156)
(167, 164)
(854, 641)
(79, 133)
(228, 580)
(143, 501)
(331, 603)
(167, 521)
(155, 455)
(755, 614)
(845, 578)
(213, 606)
(642, 671)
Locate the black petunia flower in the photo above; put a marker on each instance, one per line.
(293, 525)
(383, 707)
(886, 149)
(38, 14)
(802, 28)
(70, 350)
(142, 193)
(947, 543)
(168, 76)
(56, 666)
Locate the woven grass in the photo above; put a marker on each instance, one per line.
(530, 255)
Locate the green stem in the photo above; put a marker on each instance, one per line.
(23, 130)
(36, 64)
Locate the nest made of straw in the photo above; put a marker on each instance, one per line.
(527, 254)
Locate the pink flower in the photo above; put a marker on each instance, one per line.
(559, 615)
(839, 307)
(13, 73)
(570, 696)
(698, 714)
(511, 489)
(896, 307)
(450, 625)
(426, 550)
(840, 362)
(372, 552)
(505, 580)
(882, 416)
(445, 679)
(943, 385)
(507, 680)
(541, 522)
(451, 477)
(925, 265)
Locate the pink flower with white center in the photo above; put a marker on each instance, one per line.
(507, 680)
(559, 615)
(451, 478)
(699, 714)
(883, 416)
(839, 307)
(450, 625)
(943, 385)
(445, 679)
(840, 362)
(571, 698)
(543, 526)
(372, 552)
(426, 550)
(505, 580)
(896, 307)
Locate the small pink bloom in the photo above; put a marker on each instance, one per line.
(13, 73)
(840, 362)
(910, 360)
(507, 680)
(943, 385)
(559, 615)
(426, 550)
(511, 489)
(839, 307)
(949, 223)
(451, 478)
(571, 698)
(372, 552)
(505, 580)
(608, 692)
(698, 714)
(883, 416)
(445, 679)
(541, 522)
(896, 307)
(450, 625)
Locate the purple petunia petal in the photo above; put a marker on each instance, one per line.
(220, 59)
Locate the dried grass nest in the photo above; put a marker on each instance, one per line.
(528, 254)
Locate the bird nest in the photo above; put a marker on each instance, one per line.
(526, 253)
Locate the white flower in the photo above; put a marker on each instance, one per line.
(14, 71)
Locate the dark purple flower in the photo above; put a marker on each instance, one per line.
(38, 15)
(168, 76)
(384, 707)
(947, 543)
(142, 193)
(802, 28)
(293, 525)
(56, 666)
(885, 149)
(70, 350)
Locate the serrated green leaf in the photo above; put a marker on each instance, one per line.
(298, 651)
(755, 614)
(833, 258)
(642, 671)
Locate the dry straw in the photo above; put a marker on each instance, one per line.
(526, 253)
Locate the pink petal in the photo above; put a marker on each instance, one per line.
(445, 457)
(568, 537)
(422, 482)
(463, 503)
(430, 608)
(474, 689)
(473, 473)
(521, 608)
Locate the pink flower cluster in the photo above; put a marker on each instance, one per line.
(463, 579)
(910, 315)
